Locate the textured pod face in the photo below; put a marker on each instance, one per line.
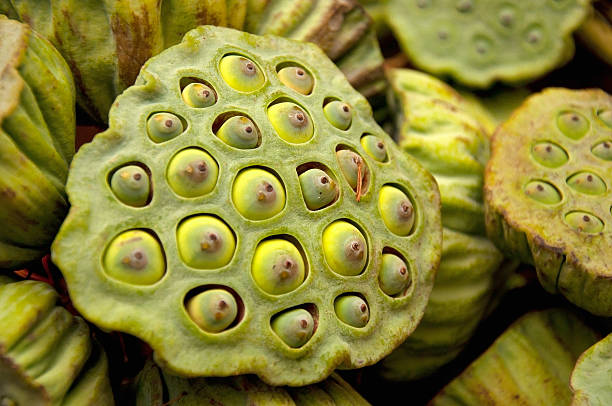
(257, 231)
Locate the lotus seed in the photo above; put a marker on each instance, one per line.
(345, 248)
(534, 35)
(296, 78)
(294, 327)
(354, 170)
(549, 154)
(241, 73)
(278, 267)
(135, 257)
(374, 147)
(584, 222)
(213, 310)
(542, 192)
(394, 275)
(605, 116)
(603, 150)
(131, 185)
(339, 114)
(192, 173)
(199, 95)
(464, 5)
(291, 122)
(164, 126)
(257, 194)
(572, 124)
(396, 210)
(587, 182)
(205, 242)
(352, 310)
(507, 16)
(318, 188)
(239, 132)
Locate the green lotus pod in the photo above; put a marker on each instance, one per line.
(394, 275)
(131, 185)
(352, 310)
(278, 267)
(396, 210)
(295, 327)
(199, 95)
(106, 44)
(479, 43)
(46, 354)
(205, 242)
(318, 188)
(192, 173)
(345, 248)
(590, 380)
(37, 133)
(374, 147)
(297, 78)
(239, 132)
(530, 363)
(213, 310)
(256, 216)
(164, 126)
(154, 385)
(565, 241)
(291, 122)
(339, 114)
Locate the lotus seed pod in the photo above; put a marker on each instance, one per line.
(199, 95)
(338, 114)
(291, 122)
(164, 126)
(252, 234)
(131, 185)
(135, 257)
(590, 380)
(560, 222)
(352, 310)
(396, 210)
(192, 173)
(375, 147)
(345, 248)
(318, 188)
(297, 79)
(241, 73)
(205, 242)
(46, 354)
(213, 310)
(258, 194)
(603, 150)
(394, 275)
(549, 154)
(525, 346)
(36, 143)
(479, 43)
(239, 132)
(278, 267)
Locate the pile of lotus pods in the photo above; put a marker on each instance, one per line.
(333, 202)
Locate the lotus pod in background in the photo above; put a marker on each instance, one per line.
(236, 214)
(37, 130)
(548, 193)
(592, 375)
(46, 354)
(106, 43)
(153, 387)
(478, 43)
(529, 364)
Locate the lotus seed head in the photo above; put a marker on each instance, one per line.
(205, 242)
(291, 122)
(543, 192)
(584, 222)
(396, 210)
(345, 248)
(294, 327)
(587, 182)
(199, 95)
(605, 116)
(192, 173)
(135, 257)
(239, 132)
(296, 78)
(164, 126)
(394, 275)
(572, 124)
(603, 150)
(213, 310)
(549, 154)
(374, 147)
(318, 189)
(131, 185)
(352, 310)
(339, 114)
(258, 194)
(277, 266)
(241, 73)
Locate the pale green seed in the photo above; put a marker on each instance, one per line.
(339, 114)
(572, 124)
(192, 173)
(587, 182)
(291, 122)
(549, 154)
(199, 95)
(296, 78)
(345, 248)
(318, 188)
(374, 147)
(135, 257)
(205, 242)
(584, 222)
(164, 126)
(258, 194)
(213, 310)
(239, 132)
(277, 267)
(352, 310)
(603, 150)
(394, 275)
(396, 210)
(543, 192)
(131, 185)
(241, 73)
(295, 327)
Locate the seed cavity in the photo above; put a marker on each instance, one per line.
(587, 182)
(162, 127)
(131, 185)
(199, 95)
(345, 248)
(278, 266)
(543, 192)
(205, 242)
(294, 327)
(241, 73)
(396, 210)
(549, 154)
(239, 132)
(339, 114)
(296, 78)
(135, 257)
(572, 124)
(192, 172)
(584, 222)
(394, 276)
(213, 310)
(318, 188)
(291, 122)
(258, 194)
(375, 147)
(603, 150)
(352, 310)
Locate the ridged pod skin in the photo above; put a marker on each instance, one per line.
(436, 126)
(106, 43)
(556, 217)
(591, 377)
(477, 43)
(529, 364)
(259, 197)
(46, 355)
(154, 387)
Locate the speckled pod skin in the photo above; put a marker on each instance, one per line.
(153, 387)
(37, 130)
(478, 43)
(156, 312)
(106, 43)
(434, 125)
(592, 375)
(46, 355)
(529, 364)
(569, 257)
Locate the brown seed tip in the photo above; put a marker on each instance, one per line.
(403, 270)
(168, 123)
(299, 72)
(586, 218)
(540, 188)
(248, 129)
(324, 180)
(380, 145)
(303, 323)
(363, 307)
(345, 108)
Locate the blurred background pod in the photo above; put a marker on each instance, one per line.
(106, 43)
(591, 377)
(37, 132)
